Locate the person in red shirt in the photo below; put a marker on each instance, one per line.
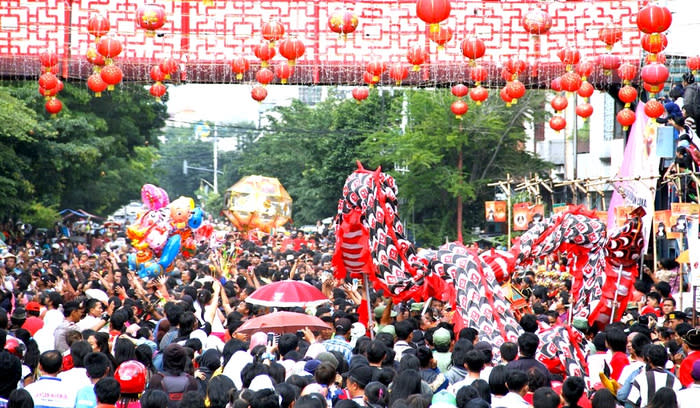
(616, 341)
(652, 305)
(691, 344)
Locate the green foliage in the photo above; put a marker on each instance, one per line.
(40, 216)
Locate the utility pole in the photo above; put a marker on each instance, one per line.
(216, 161)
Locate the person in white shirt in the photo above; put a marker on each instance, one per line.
(516, 381)
(49, 390)
(654, 378)
(636, 342)
(474, 362)
(690, 397)
(95, 318)
(76, 378)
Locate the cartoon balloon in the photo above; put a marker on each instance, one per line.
(180, 210)
(195, 220)
(154, 197)
(170, 251)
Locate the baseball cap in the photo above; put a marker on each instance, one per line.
(417, 307)
(361, 374)
(33, 307)
(379, 311)
(442, 337)
(676, 315)
(342, 325)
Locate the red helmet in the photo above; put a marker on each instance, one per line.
(15, 346)
(131, 376)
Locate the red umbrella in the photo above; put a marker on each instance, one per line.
(282, 322)
(287, 293)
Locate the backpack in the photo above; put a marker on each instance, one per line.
(691, 101)
(175, 387)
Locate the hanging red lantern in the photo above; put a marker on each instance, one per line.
(433, 12)
(556, 84)
(48, 59)
(584, 69)
(625, 118)
(168, 66)
(158, 90)
(47, 93)
(370, 79)
(506, 98)
(343, 21)
(52, 69)
(627, 94)
(536, 21)
(570, 82)
(96, 84)
(416, 56)
(693, 64)
(627, 72)
(586, 90)
(653, 108)
(398, 72)
(112, 75)
(515, 66)
(292, 49)
(258, 93)
(264, 76)
(479, 94)
(376, 68)
(515, 90)
(654, 19)
(239, 66)
(557, 123)
(109, 48)
(264, 52)
(609, 62)
(272, 31)
(95, 58)
(150, 17)
(53, 106)
(360, 93)
(97, 25)
(569, 56)
(473, 48)
(459, 90)
(584, 110)
(559, 103)
(441, 37)
(660, 58)
(655, 74)
(610, 36)
(654, 43)
(284, 71)
(478, 74)
(59, 86)
(156, 74)
(48, 80)
(459, 108)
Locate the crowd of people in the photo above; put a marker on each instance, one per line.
(79, 329)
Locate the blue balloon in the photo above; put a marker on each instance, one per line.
(195, 220)
(170, 251)
(131, 261)
(150, 270)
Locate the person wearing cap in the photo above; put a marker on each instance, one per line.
(339, 341)
(675, 318)
(442, 340)
(689, 397)
(691, 344)
(11, 263)
(358, 378)
(33, 322)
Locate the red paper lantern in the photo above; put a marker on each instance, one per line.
(627, 72)
(53, 106)
(416, 56)
(360, 93)
(284, 71)
(609, 62)
(478, 74)
(653, 108)
(557, 123)
(52, 69)
(48, 80)
(570, 82)
(272, 31)
(556, 84)
(343, 22)
(376, 68)
(584, 110)
(239, 66)
(654, 19)
(473, 48)
(94, 57)
(47, 93)
(398, 72)
(96, 84)
(459, 108)
(655, 74)
(433, 12)
(168, 66)
(586, 90)
(627, 94)
(459, 90)
(109, 48)
(112, 75)
(559, 103)
(48, 59)
(610, 36)
(258, 93)
(156, 74)
(569, 56)
(479, 94)
(515, 90)
(264, 76)
(292, 49)
(654, 43)
(369, 78)
(515, 66)
(441, 36)
(584, 69)
(536, 21)
(59, 86)
(693, 63)
(507, 75)
(625, 118)
(506, 98)
(660, 58)
(150, 17)
(158, 90)
(264, 52)
(97, 25)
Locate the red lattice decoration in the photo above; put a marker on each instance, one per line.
(205, 35)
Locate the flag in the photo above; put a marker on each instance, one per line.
(639, 161)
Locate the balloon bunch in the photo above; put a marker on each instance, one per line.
(162, 232)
